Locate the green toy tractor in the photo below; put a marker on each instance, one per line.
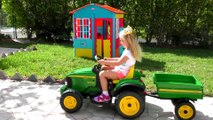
(126, 94)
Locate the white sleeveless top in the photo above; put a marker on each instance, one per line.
(124, 68)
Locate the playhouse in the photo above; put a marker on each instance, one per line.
(96, 28)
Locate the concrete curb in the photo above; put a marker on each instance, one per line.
(17, 77)
(33, 78)
(3, 75)
(49, 80)
(4, 55)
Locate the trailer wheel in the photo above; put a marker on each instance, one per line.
(130, 104)
(185, 110)
(175, 101)
(71, 101)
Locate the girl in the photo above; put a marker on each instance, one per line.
(119, 66)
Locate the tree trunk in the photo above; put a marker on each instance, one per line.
(149, 37)
(29, 33)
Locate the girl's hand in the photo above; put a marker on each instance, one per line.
(101, 62)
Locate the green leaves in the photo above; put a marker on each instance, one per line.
(46, 17)
(188, 20)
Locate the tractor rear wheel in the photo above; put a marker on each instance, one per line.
(130, 104)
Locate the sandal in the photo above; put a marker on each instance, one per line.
(101, 98)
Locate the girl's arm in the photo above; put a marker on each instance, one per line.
(111, 59)
(114, 63)
(106, 67)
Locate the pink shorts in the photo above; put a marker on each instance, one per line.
(120, 74)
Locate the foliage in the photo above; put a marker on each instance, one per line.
(47, 18)
(3, 36)
(170, 21)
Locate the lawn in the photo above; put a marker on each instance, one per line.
(48, 59)
(57, 60)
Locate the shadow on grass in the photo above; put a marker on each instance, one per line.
(202, 53)
(65, 44)
(155, 50)
(146, 64)
(14, 45)
(150, 65)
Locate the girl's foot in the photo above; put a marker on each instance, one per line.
(101, 98)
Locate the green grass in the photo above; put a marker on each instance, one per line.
(58, 60)
(55, 60)
(195, 62)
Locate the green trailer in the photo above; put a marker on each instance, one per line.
(181, 89)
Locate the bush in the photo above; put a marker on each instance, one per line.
(3, 36)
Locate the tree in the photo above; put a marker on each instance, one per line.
(48, 19)
(169, 21)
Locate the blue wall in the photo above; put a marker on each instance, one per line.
(93, 11)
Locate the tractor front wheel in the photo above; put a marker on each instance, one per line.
(71, 101)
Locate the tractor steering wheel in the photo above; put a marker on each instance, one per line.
(97, 68)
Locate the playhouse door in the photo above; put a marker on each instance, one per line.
(103, 37)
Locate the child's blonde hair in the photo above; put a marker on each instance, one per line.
(133, 45)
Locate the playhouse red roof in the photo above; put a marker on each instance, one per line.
(103, 6)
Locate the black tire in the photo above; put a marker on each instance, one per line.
(175, 101)
(71, 101)
(185, 110)
(135, 106)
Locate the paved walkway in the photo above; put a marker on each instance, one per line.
(7, 50)
(10, 50)
(30, 101)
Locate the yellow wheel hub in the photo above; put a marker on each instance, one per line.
(129, 105)
(70, 102)
(185, 111)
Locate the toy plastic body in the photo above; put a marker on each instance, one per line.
(174, 86)
(181, 89)
(128, 95)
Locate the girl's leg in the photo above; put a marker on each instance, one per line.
(104, 76)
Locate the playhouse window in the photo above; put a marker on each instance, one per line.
(83, 28)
